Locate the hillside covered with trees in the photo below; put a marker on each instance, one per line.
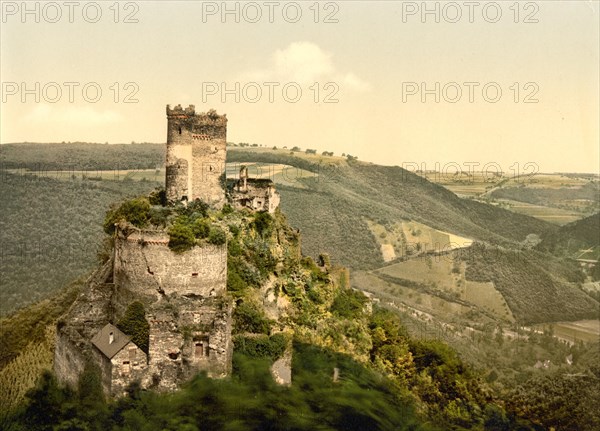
(378, 361)
(354, 366)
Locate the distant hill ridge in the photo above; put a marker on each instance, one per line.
(353, 191)
(339, 200)
(572, 237)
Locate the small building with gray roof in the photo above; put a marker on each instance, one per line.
(121, 360)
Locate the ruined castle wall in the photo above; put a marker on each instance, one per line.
(255, 195)
(145, 265)
(165, 361)
(220, 343)
(105, 370)
(88, 314)
(194, 338)
(210, 326)
(69, 359)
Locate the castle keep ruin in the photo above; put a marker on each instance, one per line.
(196, 151)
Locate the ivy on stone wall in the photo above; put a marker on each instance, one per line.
(135, 325)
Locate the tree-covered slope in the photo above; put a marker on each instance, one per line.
(537, 287)
(573, 237)
(337, 202)
(51, 232)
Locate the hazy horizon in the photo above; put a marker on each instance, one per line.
(465, 168)
(386, 81)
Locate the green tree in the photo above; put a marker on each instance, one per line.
(248, 317)
(135, 325)
(45, 403)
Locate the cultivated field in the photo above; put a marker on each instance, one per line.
(279, 173)
(550, 214)
(409, 238)
(436, 284)
(580, 330)
(556, 198)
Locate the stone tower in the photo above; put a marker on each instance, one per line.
(196, 150)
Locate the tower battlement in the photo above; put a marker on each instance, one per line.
(196, 151)
(202, 118)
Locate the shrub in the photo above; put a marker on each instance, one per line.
(235, 282)
(235, 230)
(216, 236)
(135, 211)
(233, 248)
(262, 222)
(181, 237)
(348, 303)
(271, 347)
(248, 317)
(158, 197)
(201, 228)
(196, 209)
(159, 216)
(227, 209)
(315, 272)
(261, 256)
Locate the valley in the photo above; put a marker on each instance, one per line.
(514, 295)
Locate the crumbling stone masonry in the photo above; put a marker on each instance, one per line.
(187, 308)
(146, 267)
(196, 150)
(256, 194)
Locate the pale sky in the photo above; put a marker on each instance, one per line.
(373, 63)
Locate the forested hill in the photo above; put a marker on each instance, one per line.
(575, 236)
(332, 208)
(51, 232)
(54, 225)
(81, 156)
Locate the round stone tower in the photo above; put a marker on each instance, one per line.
(196, 151)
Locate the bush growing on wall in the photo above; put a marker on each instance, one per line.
(135, 211)
(216, 236)
(201, 228)
(181, 237)
(262, 222)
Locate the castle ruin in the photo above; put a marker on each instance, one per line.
(184, 294)
(255, 194)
